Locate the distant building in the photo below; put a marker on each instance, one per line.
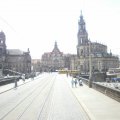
(73, 62)
(18, 60)
(36, 65)
(13, 59)
(54, 60)
(101, 59)
(67, 61)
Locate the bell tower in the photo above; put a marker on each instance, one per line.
(82, 33)
(2, 44)
(2, 49)
(82, 36)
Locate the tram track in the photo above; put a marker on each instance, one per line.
(49, 99)
(12, 99)
(48, 88)
(45, 85)
(43, 115)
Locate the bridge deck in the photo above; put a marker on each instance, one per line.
(97, 105)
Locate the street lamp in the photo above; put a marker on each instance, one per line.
(90, 66)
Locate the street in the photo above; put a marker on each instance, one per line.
(45, 98)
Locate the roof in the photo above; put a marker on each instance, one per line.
(56, 49)
(14, 52)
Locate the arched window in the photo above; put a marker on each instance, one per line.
(81, 41)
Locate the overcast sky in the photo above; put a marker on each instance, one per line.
(37, 24)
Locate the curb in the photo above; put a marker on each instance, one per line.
(90, 115)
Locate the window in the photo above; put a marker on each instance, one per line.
(1, 41)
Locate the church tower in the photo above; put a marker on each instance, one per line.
(82, 38)
(56, 50)
(2, 44)
(2, 51)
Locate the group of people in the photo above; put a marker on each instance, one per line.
(75, 81)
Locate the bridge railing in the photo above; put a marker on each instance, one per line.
(8, 80)
(111, 92)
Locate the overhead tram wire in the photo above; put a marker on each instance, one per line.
(1, 18)
(9, 26)
(15, 34)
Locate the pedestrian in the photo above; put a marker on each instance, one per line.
(80, 83)
(76, 81)
(23, 77)
(32, 76)
(67, 74)
(73, 81)
(15, 82)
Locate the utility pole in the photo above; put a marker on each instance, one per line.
(90, 66)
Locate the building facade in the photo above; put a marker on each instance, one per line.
(101, 59)
(13, 59)
(52, 61)
(36, 65)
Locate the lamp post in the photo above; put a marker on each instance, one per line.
(90, 67)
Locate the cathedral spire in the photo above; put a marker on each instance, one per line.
(81, 13)
(81, 22)
(55, 46)
(56, 50)
(82, 33)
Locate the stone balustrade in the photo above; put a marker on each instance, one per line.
(111, 92)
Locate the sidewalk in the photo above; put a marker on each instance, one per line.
(10, 86)
(97, 105)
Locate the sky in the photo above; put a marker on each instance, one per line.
(37, 24)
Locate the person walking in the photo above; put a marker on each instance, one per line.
(15, 83)
(76, 81)
(73, 82)
(80, 83)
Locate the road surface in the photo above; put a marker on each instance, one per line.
(45, 98)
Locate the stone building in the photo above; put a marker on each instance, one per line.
(52, 61)
(73, 62)
(67, 61)
(36, 65)
(18, 60)
(101, 59)
(13, 59)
